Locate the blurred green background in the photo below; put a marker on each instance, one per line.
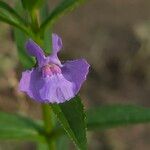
(114, 36)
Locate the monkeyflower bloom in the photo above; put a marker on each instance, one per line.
(52, 81)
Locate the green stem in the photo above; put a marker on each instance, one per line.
(34, 20)
(51, 145)
(48, 123)
(46, 109)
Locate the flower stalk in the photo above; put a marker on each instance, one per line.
(46, 109)
(48, 124)
(47, 118)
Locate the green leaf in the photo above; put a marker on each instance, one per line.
(10, 16)
(64, 7)
(63, 143)
(48, 34)
(32, 4)
(19, 127)
(6, 9)
(24, 58)
(72, 117)
(21, 38)
(116, 115)
(42, 146)
(10, 22)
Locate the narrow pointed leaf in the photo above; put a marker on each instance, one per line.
(116, 115)
(6, 9)
(48, 34)
(10, 16)
(21, 38)
(13, 23)
(72, 118)
(19, 127)
(62, 8)
(31, 4)
(24, 58)
(63, 143)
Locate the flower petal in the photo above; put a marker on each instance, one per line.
(76, 72)
(54, 60)
(56, 89)
(29, 84)
(57, 44)
(34, 50)
(24, 83)
(53, 89)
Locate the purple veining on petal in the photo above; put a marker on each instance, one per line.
(46, 71)
(36, 83)
(76, 72)
(53, 89)
(50, 70)
(24, 83)
(25, 79)
(55, 69)
(57, 89)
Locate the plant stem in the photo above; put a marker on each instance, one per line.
(46, 110)
(35, 20)
(51, 145)
(48, 123)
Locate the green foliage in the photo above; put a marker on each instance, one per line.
(42, 146)
(61, 9)
(24, 58)
(20, 39)
(72, 117)
(63, 143)
(116, 115)
(47, 34)
(10, 16)
(7, 10)
(17, 127)
(32, 4)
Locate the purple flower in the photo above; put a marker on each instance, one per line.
(52, 81)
